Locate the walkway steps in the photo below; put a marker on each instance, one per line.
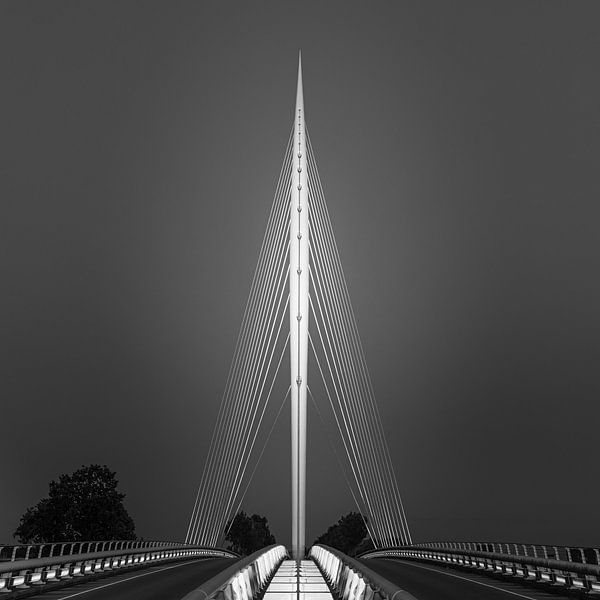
(291, 582)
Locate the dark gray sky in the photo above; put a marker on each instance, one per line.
(459, 146)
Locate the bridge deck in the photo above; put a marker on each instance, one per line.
(427, 581)
(293, 583)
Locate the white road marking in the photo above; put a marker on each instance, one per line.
(466, 579)
(130, 578)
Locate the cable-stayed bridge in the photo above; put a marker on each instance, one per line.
(298, 313)
(299, 302)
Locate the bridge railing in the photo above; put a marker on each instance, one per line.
(554, 565)
(577, 554)
(28, 551)
(246, 579)
(81, 559)
(353, 580)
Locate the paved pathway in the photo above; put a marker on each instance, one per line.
(293, 583)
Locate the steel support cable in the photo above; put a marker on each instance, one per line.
(266, 299)
(228, 476)
(275, 212)
(221, 466)
(263, 344)
(276, 220)
(239, 429)
(335, 414)
(257, 353)
(337, 457)
(364, 479)
(376, 418)
(392, 478)
(346, 367)
(256, 400)
(242, 355)
(318, 282)
(337, 361)
(336, 297)
(337, 284)
(339, 396)
(332, 289)
(360, 351)
(364, 436)
(330, 294)
(263, 449)
(287, 159)
(261, 418)
(345, 438)
(226, 421)
(339, 391)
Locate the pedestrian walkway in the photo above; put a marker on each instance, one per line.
(293, 583)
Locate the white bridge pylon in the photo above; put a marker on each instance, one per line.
(299, 281)
(299, 274)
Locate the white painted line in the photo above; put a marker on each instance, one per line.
(465, 578)
(130, 578)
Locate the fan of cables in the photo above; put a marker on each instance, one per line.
(345, 393)
(340, 360)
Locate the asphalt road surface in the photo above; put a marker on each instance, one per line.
(430, 582)
(169, 581)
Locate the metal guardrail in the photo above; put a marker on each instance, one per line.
(245, 580)
(22, 573)
(525, 561)
(578, 554)
(27, 551)
(351, 579)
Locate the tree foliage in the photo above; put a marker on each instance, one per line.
(346, 534)
(246, 534)
(82, 506)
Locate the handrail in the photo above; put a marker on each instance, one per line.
(35, 563)
(28, 551)
(23, 573)
(352, 579)
(578, 554)
(243, 580)
(568, 573)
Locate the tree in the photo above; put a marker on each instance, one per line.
(346, 534)
(248, 534)
(82, 506)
